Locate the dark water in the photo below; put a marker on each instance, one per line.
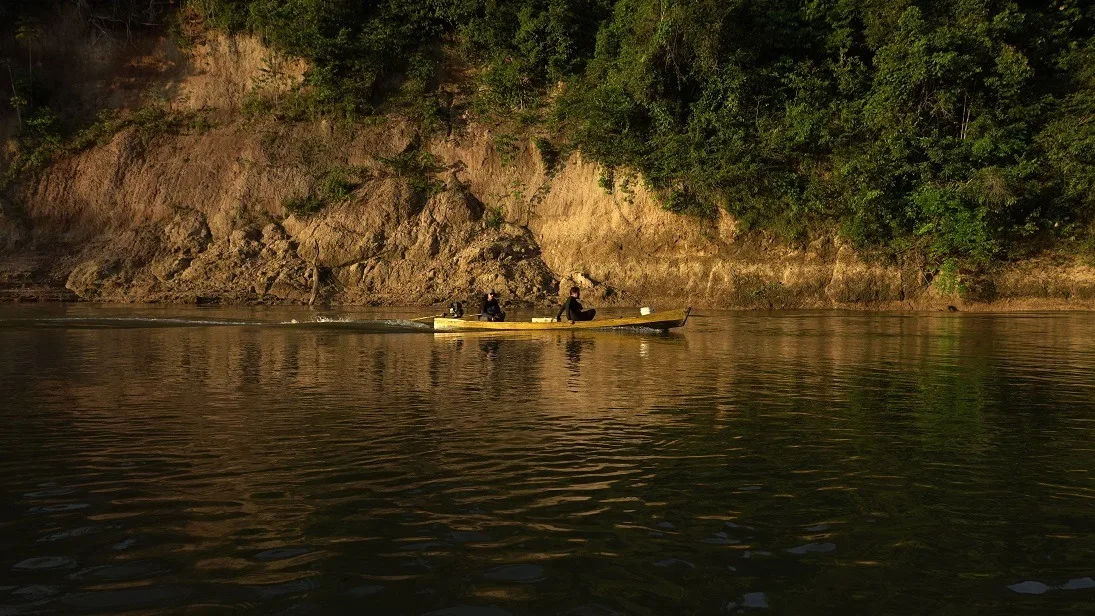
(205, 461)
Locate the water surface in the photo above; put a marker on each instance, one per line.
(166, 460)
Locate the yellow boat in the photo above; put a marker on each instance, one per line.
(655, 320)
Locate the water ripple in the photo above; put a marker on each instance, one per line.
(798, 463)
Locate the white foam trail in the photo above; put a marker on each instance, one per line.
(386, 323)
(163, 320)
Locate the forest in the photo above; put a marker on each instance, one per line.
(960, 128)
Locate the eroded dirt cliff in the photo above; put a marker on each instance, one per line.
(199, 215)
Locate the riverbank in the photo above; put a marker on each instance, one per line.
(201, 199)
(201, 218)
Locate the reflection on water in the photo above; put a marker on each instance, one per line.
(234, 459)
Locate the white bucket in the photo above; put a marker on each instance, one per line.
(645, 310)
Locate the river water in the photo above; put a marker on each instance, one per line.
(173, 460)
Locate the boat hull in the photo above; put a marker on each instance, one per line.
(657, 320)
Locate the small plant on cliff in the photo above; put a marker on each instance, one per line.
(627, 187)
(548, 153)
(149, 121)
(39, 141)
(44, 135)
(507, 148)
(686, 202)
(303, 205)
(417, 167)
(757, 292)
(332, 186)
(607, 179)
(255, 105)
(153, 120)
(295, 104)
(335, 185)
(274, 75)
(494, 218)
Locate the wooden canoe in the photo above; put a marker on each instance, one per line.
(655, 320)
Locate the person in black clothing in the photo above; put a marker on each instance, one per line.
(492, 311)
(573, 308)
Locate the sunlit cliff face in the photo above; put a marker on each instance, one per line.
(193, 203)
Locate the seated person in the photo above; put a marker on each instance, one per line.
(573, 308)
(492, 311)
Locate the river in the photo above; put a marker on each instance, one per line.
(278, 460)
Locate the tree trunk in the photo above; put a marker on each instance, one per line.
(15, 98)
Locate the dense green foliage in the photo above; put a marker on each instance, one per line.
(957, 127)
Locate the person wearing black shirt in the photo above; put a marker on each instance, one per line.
(492, 311)
(573, 308)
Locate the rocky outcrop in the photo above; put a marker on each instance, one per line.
(383, 245)
(181, 262)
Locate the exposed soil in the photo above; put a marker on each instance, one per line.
(199, 216)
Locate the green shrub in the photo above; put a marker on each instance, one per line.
(332, 186)
(255, 105)
(606, 179)
(685, 202)
(304, 205)
(947, 281)
(417, 167)
(335, 185)
(507, 148)
(508, 88)
(627, 186)
(229, 15)
(953, 226)
(548, 153)
(494, 218)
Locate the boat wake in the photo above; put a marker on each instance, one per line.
(380, 325)
(122, 322)
(151, 322)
